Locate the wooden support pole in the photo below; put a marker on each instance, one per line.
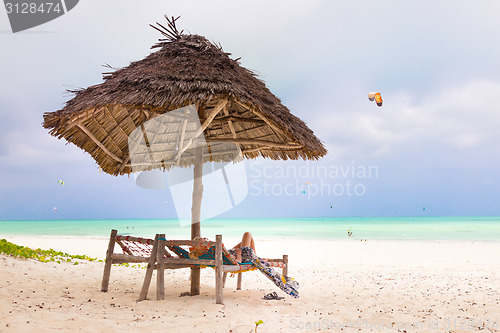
(196, 214)
(160, 276)
(197, 194)
(149, 270)
(109, 261)
(224, 277)
(238, 284)
(219, 298)
(285, 264)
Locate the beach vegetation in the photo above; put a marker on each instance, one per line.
(257, 323)
(50, 255)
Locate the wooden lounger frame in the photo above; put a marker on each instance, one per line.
(160, 259)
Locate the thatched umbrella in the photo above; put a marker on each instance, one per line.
(234, 108)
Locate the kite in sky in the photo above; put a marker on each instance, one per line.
(375, 96)
(303, 187)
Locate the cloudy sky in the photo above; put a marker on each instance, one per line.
(432, 149)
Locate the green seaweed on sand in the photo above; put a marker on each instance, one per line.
(257, 323)
(51, 255)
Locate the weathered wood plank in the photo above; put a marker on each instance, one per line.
(149, 270)
(238, 283)
(196, 213)
(266, 143)
(109, 260)
(203, 126)
(136, 239)
(160, 276)
(190, 243)
(97, 142)
(219, 296)
(127, 258)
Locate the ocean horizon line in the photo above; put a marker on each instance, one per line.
(267, 218)
(404, 228)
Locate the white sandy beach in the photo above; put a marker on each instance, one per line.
(412, 286)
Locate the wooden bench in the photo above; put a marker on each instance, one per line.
(160, 254)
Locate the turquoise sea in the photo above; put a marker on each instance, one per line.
(395, 228)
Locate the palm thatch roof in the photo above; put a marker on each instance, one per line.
(234, 107)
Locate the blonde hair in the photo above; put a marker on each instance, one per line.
(198, 250)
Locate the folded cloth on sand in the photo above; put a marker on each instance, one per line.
(285, 283)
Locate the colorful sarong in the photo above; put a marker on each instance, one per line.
(285, 283)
